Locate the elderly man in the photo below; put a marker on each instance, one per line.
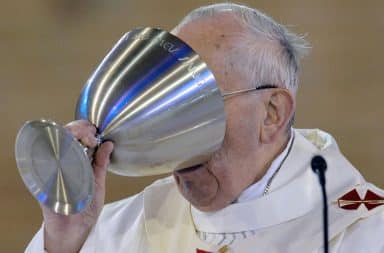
(257, 193)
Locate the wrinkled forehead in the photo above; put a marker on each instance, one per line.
(214, 38)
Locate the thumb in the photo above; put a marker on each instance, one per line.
(101, 162)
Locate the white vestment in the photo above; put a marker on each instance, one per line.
(286, 220)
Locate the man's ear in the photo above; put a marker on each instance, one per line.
(279, 109)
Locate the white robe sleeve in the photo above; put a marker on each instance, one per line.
(119, 228)
(37, 243)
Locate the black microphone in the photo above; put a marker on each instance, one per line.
(319, 166)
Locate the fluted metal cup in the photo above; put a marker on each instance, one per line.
(153, 96)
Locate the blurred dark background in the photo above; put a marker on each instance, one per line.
(50, 47)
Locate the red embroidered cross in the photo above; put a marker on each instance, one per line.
(202, 251)
(352, 200)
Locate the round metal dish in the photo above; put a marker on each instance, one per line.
(54, 166)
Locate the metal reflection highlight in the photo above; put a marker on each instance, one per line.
(157, 101)
(54, 166)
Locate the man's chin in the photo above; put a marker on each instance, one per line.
(197, 185)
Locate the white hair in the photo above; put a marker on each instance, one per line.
(276, 62)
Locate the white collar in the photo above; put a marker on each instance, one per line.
(257, 189)
(295, 181)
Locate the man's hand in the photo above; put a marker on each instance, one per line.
(67, 234)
